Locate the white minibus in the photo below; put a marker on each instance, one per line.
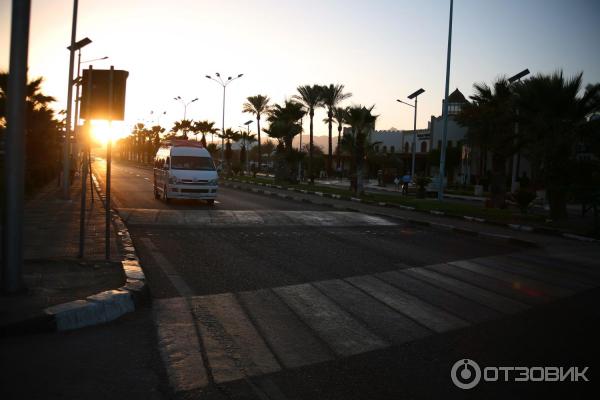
(184, 169)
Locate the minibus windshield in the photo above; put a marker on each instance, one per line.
(192, 163)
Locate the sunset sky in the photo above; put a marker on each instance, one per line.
(381, 50)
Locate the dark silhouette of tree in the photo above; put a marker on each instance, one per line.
(339, 114)
(553, 116)
(205, 127)
(332, 95)
(257, 105)
(490, 119)
(230, 136)
(284, 126)
(311, 98)
(43, 134)
(183, 126)
(362, 123)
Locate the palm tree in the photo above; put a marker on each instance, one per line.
(552, 116)
(205, 127)
(257, 105)
(491, 119)
(43, 133)
(284, 126)
(362, 122)
(184, 126)
(230, 136)
(339, 113)
(332, 95)
(311, 98)
(245, 138)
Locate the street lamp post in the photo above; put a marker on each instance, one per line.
(516, 157)
(445, 111)
(224, 84)
(414, 95)
(247, 123)
(185, 105)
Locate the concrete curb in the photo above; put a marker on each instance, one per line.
(99, 308)
(111, 304)
(433, 225)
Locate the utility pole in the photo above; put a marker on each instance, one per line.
(444, 135)
(12, 273)
(67, 142)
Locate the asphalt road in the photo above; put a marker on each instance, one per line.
(220, 258)
(228, 260)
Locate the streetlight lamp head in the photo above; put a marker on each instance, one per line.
(217, 74)
(415, 94)
(208, 76)
(194, 99)
(228, 78)
(82, 43)
(248, 122)
(518, 76)
(240, 75)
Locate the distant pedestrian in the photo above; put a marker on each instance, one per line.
(405, 181)
(397, 182)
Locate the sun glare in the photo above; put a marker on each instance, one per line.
(102, 132)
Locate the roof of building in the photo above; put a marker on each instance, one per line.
(457, 97)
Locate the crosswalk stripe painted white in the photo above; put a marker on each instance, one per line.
(234, 348)
(253, 333)
(179, 345)
(380, 318)
(291, 340)
(515, 279)
(482, 296)
(136, 216)
(345, 335)
(432, 317)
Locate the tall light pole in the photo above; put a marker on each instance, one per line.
(224, 84)
(414, 95)
(515, 168)
(14, 173)
(185, 106)
(158, 115)
(71, 48)
(247, 123)
(445, 111)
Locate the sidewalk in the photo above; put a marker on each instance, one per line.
(52, 271)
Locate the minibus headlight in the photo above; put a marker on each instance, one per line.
(173, 179)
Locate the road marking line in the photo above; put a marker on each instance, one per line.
(290, 339)
(345, 335)
(432, 317)
(234, 348)
(178, 344)
(482, 296)
(176, 280)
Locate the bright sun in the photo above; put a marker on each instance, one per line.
(102, 131)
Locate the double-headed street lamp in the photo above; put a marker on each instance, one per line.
(185, 106)
(224, 84)
(414, 146)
